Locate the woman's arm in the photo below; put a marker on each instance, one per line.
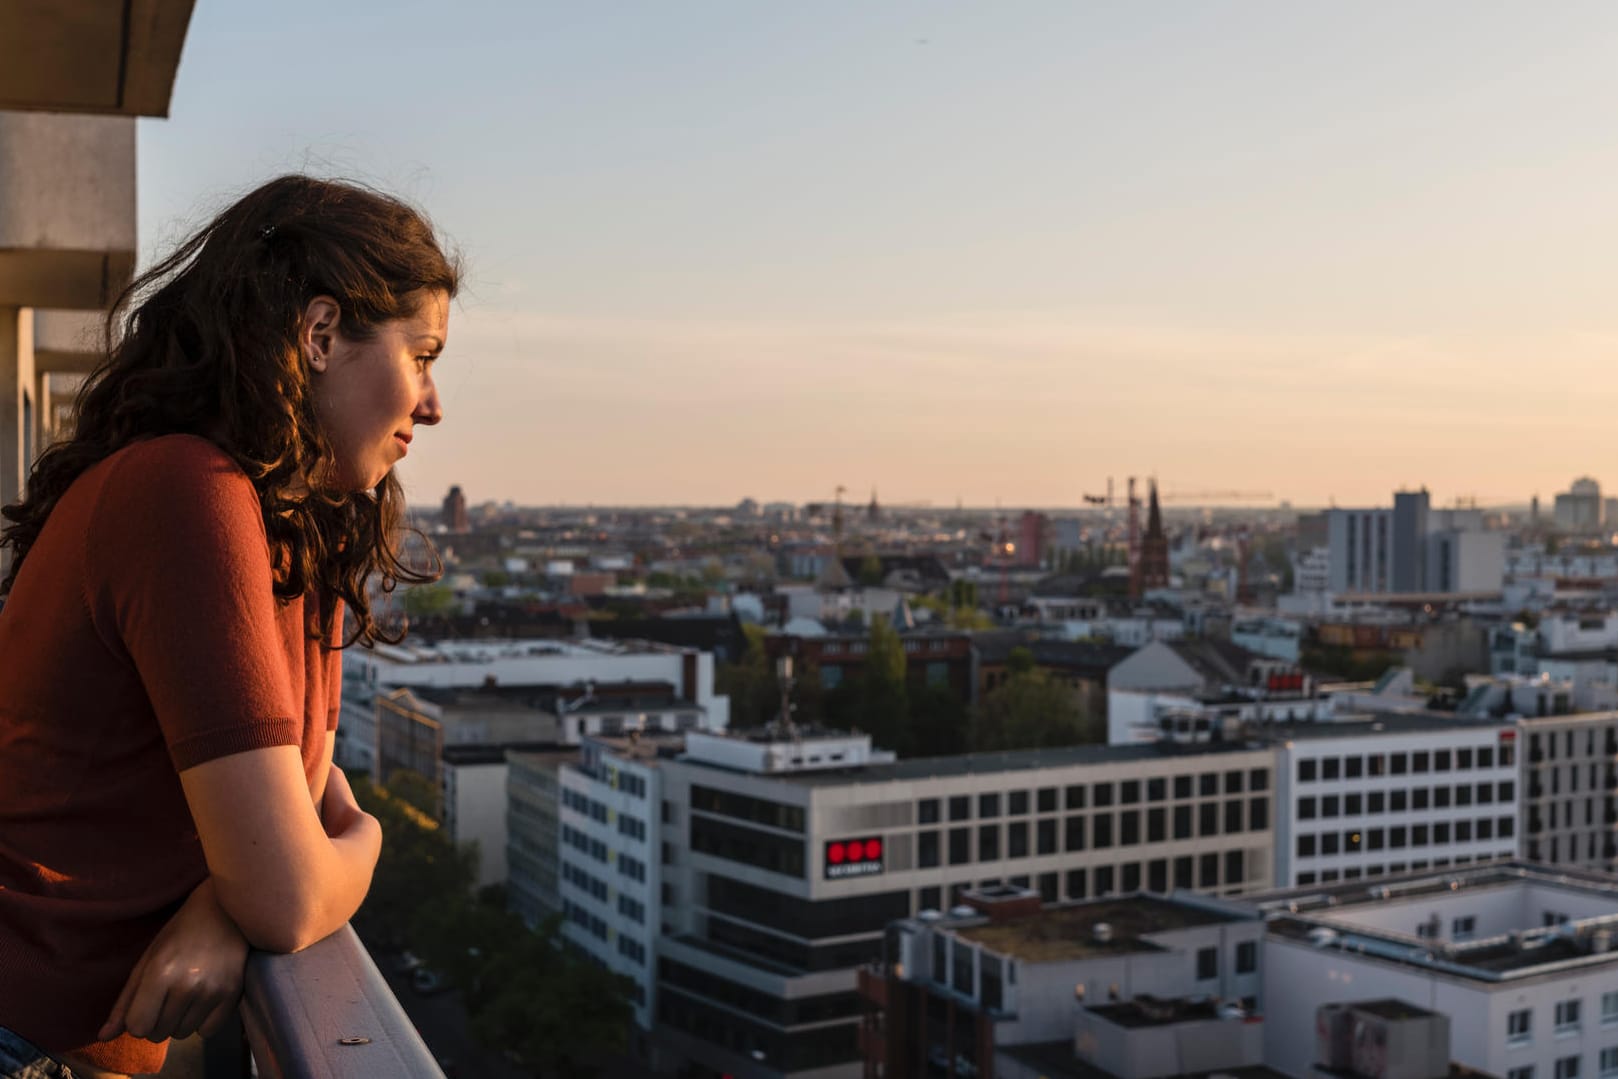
(276, 871)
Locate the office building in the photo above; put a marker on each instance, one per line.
(1364, 799)
(790, 853)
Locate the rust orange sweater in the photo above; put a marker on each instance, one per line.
(141, 638)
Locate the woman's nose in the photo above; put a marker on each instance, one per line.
(428, 409)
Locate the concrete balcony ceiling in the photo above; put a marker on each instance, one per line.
(67, 209)
(116, 57)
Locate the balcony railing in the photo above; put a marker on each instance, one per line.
(324, 1013)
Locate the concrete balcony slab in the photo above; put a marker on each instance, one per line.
(91, 55)
(67, 209)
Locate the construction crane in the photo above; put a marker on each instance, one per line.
(1211, 497)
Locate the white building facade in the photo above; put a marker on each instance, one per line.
(1373, 798)
(610, 863)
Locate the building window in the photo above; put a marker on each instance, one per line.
(988, 843)
(1567, 1067)
(1519, 1026)
(988, 806)
(1246, 957)
(1101, 831)
(1463, 928)
(1306, 771)
(1609, 1062)
(927, 811)
(1017, 839)
(1609, 1009)
(960, 807)
(1329, 768)
(1207, 964)
(1521, 1073)
(1567, 1016)
(1182, 822)
(1306, 846)
(960, 846)
(1306, 809)
(1075, 833)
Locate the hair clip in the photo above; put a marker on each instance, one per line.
(266, 232)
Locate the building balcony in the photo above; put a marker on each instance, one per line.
(325, 1011)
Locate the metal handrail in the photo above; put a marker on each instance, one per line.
(327, 1013)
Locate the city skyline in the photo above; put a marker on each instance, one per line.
(960, 253)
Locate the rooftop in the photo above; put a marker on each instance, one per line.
(1014, 760)
(1148, 1011)
(1381, 724)
(1355, 919)
(1065, 932)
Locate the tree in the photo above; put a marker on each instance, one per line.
(870, 571)
(877, 702)
(940, 725)
(1032, 710)
(429, 601)
(555, 1010)
(418, 864)
(750, 682)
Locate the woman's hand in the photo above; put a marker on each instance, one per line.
(189, 979)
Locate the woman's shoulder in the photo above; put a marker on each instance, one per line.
(181, 475)
(177, 451)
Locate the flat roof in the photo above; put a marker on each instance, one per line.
(1015, 760)
(1302, 913)
(1067, 931)
(1381, 723)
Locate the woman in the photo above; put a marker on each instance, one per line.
(168, 646)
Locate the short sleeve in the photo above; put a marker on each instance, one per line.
(178, 576)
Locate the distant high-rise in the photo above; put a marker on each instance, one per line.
(453, 513)
(1578, 509)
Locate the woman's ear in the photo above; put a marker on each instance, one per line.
(319, 330)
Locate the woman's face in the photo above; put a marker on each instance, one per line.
(370, 395)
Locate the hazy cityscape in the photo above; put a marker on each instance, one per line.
(1065, 542)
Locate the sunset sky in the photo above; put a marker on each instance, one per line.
(988, 252)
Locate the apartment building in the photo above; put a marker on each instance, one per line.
(610, 864)
(1133, 986)
(786, 858)
(533, 832)
(1393, 794)
(1570, 790)
(1519, 957)
(555, 677)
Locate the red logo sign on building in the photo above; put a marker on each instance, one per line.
(853, 858)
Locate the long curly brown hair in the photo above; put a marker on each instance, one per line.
(206, 343)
